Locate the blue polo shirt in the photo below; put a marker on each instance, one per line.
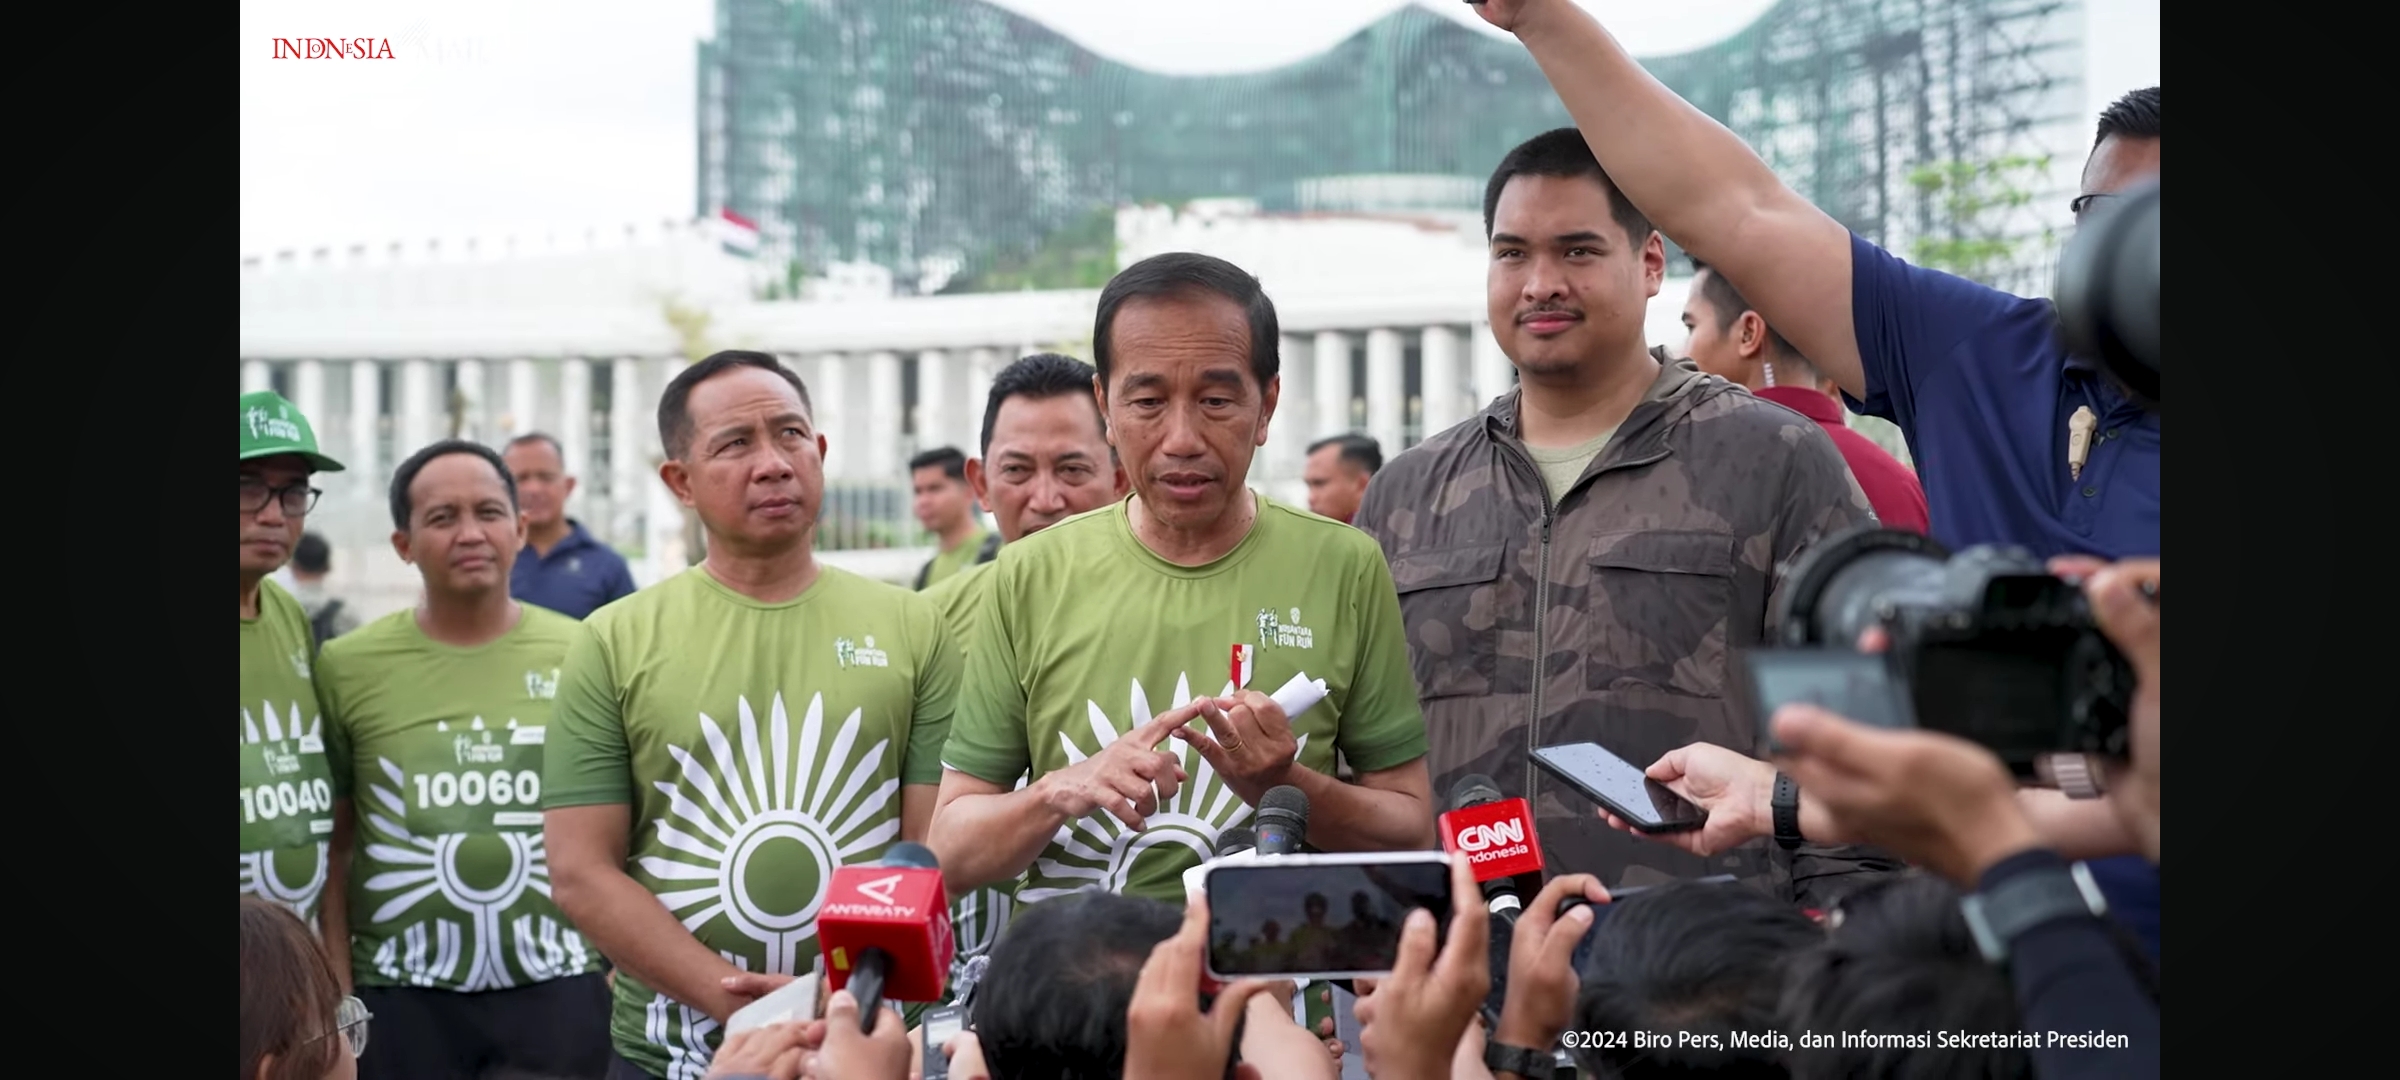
(578, 576)
(1982, 389)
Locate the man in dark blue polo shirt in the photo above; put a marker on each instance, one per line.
(1975, 378)
(563, 567)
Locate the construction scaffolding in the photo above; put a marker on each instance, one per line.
(947, 139)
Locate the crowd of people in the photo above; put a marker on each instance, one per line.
(545, 824)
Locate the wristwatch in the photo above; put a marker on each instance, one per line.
(1530, 1064)
(2027, 900)
(1786, 803)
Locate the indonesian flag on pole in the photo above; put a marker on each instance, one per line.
(740, 233)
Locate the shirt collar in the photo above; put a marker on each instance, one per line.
(1815, 405)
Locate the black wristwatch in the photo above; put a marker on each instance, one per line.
(1786, 803)
(2028, 900)
(1530, 1064)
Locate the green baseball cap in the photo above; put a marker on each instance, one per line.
(272, 426)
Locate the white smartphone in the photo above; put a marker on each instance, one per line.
(795, 1001)
(1320, 917)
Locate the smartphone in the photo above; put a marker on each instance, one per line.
(940, 1025)
(1620, 786)
(1845, 682)
(1320, 917)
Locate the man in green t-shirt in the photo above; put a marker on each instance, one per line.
(288, 790)
(1045, 458)
(725, 738)
(946, 508)
(1097, 633)
(435, 716)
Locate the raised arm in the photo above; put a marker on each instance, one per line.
(1699, 183)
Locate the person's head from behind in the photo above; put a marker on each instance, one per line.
(1702, 957)
(455, 518)
(1045, 455)
(1187, 357)
(1573, 264)
(1072, 964)
(539, 465)
(1731, 340)
(938, 477)
(313, 558)
(296, 1024)
(2124, 150)
(743, 452)
(1337, 473)
(1899, 957)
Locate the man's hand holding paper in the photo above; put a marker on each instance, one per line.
(1249, 740)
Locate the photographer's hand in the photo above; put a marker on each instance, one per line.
(1934, 799)
(2125, 603)
(1736, 790)
(1410, 1025)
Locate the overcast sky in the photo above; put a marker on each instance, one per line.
(537, 116)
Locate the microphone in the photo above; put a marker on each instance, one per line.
(1282, 821)
(1234, 845)
(1497, 835)
(885, 930)
(1234, 841)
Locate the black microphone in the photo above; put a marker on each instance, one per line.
(1234, 841)
(1282, 821)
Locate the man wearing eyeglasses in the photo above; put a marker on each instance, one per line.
(288, 789)
(2016, 441)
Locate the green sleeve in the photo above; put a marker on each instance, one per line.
(937, 696)
(585, 761)
(1382, 724)
(987, 737)
(338, 751)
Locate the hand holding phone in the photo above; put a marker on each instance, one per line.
(1319, 917)
(1621, 786)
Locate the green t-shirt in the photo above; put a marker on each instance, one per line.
(1562, 465)
(442, 748)
(1086, 633)
(287, 788)
(947, 563)
(978, 917)
(759, 745)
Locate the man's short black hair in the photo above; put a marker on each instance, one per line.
(1360, 450)
(1563, 153)
(1184, 273)
(1729, 306)
(1072, 964)
(403, 509)
(949, 459)
(532, 437)
(312, 555)
(2134, 116)
(1697, 956)
(675, 430)
(1038, 377)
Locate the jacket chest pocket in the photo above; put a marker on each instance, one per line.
(1658, 605)
(1451, 601)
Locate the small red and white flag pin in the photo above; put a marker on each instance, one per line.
(1244, 661)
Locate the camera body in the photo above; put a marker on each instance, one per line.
(2107, 292)
(1987, 645)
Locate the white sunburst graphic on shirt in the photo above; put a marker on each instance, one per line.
(259, 877)
(749, 794)
(1100, 849)
(429, 952)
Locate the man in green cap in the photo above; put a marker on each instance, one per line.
(287, 788)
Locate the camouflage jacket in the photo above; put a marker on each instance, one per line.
(1609, 617)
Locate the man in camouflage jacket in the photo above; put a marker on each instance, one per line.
(1609, 612)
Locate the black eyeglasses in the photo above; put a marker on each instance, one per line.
(2084, 202)
(298, 498)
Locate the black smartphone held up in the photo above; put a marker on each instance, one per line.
(1620, 786)
(940, 1024)
(1320, 917)
(1845, 682)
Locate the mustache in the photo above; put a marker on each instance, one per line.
(1539, 310)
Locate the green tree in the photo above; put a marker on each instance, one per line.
(1973, 204)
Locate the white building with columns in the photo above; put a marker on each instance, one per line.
(1383, 322)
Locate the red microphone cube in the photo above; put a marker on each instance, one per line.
(1498, 838)
(902, 910)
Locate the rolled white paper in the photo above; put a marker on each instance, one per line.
(1299, 695)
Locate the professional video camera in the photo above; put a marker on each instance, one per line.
(1987, 645)
(2107, 292)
